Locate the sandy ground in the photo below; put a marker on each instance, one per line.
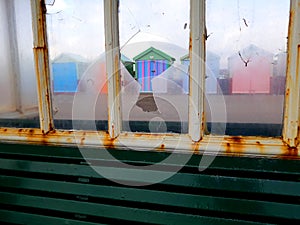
(234, 108)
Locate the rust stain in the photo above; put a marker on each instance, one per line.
(234, 139)
(112, 129)
(234, 145)
(227, 148)
(196, 147)
(161, 147)
(108, 142)
(203, 124)
(287, 92)
(289, 153)
(190, 43)
(82, 141)
(260, 147)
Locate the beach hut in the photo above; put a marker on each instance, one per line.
(129, 65)
(150, 63)
(67, 69)
(279, 74)
(251, 69)
(212, 70)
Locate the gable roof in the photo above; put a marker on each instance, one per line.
(124, 58)
(68, 57)
(251, 50)
(155, 51)
(185, 57)
(209, 55)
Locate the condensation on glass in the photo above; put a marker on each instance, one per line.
(154, 41)
(18, 94)
(246, 63)
(77, 64)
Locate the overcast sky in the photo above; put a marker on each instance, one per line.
(77, 26)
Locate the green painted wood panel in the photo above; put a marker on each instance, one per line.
(55, 184)
(33, 219)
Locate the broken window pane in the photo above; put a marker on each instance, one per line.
(246, 60)
(77, 64)
(154, 36)
(18, 94)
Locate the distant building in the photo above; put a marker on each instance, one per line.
(129, 64)
(67, 69)
(224, 82)
(175, 80)
(212, 71)
(149, 64)
(250, 70)
(279, 74)
(185, 60)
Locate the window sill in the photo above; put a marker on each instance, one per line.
(180, 143)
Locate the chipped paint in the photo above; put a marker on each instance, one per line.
(41, 57)
(196, 82)
(235, 145)
(241, 146)
(292, 95)
(113, 67)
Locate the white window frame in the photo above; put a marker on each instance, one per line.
(195, 140)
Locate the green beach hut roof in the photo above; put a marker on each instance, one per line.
(153, 54)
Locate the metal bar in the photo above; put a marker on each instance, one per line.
(292, 95)
(42, 64)
(112, 50)
(197, 69)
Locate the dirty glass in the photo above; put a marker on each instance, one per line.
(154, 40)
(77, 64)
(18, 94)
(246, 64)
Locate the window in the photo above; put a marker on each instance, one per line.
(160, 101)
(246, 64)
(18, 96)
(77, 64)
(83, 89)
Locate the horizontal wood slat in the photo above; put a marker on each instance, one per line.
(55, 185)
(111, 211)
(33, 219)
(199, 180)
(196, 201)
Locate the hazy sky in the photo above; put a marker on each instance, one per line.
(234, 24)
(77, 25)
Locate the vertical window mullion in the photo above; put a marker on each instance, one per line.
(112, 66)
(197, 69)
(41, 58)
(292, 98)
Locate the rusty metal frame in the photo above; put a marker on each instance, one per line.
(41, 58)
(230, 146)
(112, 49)
(184, 143)
(197, 69)
(292, 94)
